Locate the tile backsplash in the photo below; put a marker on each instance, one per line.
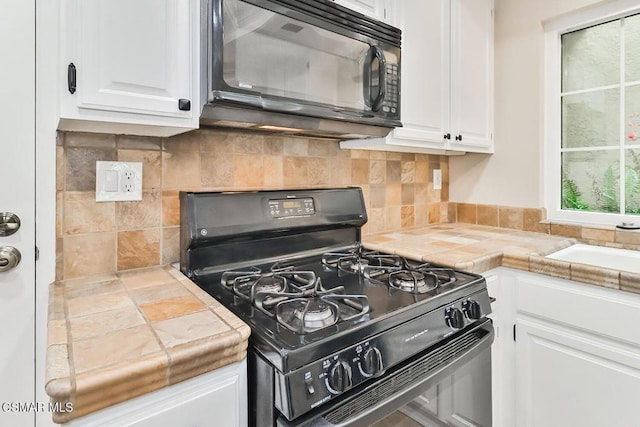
(531, 219)
(95, 238)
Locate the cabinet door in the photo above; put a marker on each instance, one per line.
(447, 78)
(372, 8)
(217, 406)
(134, 56)
(425, 70)
(577, 354)
(567, 378)
(472, 75)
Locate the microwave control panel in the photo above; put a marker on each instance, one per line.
(390, 104)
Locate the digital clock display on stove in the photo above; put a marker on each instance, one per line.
(283, 208)
(292, 204)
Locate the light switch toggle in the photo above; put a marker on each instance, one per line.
(111, 181)
(437, 179)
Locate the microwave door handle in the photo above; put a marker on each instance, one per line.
(382, 78)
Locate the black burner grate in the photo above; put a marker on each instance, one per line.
(295, 298)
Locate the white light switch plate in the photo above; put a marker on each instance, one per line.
(437, 179)
(118, 181)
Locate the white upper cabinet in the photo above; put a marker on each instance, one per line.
(471, 93)
(372, 8)
(446, 78)
(136, 66)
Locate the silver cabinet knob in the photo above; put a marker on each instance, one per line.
(9, 258)
(9, 223)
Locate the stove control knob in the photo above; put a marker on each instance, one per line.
(371, 362)
(454, 318)
(339, 378)
(471, 309)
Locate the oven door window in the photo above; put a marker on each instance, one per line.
(461, 399)
(276, 55)
(422, 411)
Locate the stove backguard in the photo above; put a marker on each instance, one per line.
(221, 231)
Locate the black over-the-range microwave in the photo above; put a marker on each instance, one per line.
(308, 67)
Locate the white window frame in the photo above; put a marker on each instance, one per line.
(551, 168)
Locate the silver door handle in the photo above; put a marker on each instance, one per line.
(9, 258)
(9, 226)
(9, 223)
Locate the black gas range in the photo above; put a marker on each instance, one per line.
(340, 335)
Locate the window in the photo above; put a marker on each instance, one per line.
(593, 118)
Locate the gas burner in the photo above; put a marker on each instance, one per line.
(352, 265)
(249, 284)
(409, 277)
(409, 281)
(270, 284)
(311, 309)
(359, 260)
(315, 313)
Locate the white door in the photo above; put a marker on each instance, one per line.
(17, 194)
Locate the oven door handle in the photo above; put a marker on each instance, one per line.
(380, 409)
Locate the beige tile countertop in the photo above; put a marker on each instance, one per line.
(114, 338)
(479, 248)
(117, 337)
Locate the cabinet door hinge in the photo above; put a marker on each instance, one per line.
(37, 253)
(514, 332)
(71, 78)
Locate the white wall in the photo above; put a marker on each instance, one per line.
(513, 175)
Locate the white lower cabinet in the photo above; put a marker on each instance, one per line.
(217, 398)
(573, 357)
(571, 378)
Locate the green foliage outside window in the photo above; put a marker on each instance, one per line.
(605, 191)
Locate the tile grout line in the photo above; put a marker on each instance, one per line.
(153, 331)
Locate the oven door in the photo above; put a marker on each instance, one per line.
(447, 385)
